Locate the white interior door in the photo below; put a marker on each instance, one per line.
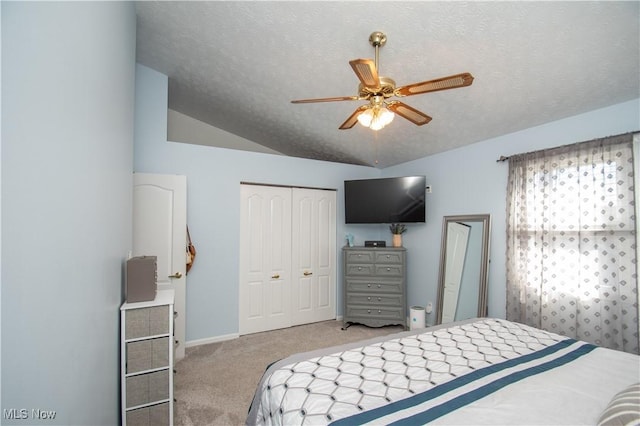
(159, 229)
(265, 258)
(457, 241)
(314, 252)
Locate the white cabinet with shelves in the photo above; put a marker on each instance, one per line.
(147, 355)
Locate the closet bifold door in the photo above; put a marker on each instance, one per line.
(265, 258)
(314, 255)
(287, 257)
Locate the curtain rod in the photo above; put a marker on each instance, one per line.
(504, 158)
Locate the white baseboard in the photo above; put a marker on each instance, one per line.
(223, 338)
(216, 339)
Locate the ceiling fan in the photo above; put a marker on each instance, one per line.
(378, 89)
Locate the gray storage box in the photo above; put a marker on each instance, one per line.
(141, 285)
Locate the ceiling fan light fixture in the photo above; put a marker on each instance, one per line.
(385, 116)
(376, 117)
(366, 117)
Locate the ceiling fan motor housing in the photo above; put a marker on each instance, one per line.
(387, 89)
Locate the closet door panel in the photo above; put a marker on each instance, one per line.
(314, 255)
(326, 255)
(265, 258)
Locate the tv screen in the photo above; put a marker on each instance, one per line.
(386, 200)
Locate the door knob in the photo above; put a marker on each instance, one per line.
(176, 275)
(306, 274)
(275, 277)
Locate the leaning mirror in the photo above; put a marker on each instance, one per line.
(464, 268)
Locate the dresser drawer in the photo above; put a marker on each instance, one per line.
(149, 416)
(369, 286)
(147, 354)
(147, 388)
(145, 322)
(360, 269)
(388, 270)
(387, 313)
(353, 256)
(374, 300)
(389, 257)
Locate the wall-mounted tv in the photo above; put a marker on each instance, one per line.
(385, 200)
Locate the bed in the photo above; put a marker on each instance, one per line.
(483, 372)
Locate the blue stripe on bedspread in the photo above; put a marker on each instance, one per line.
(469, 397)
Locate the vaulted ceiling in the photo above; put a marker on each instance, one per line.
(237, 65)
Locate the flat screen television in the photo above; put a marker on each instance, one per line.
(385, 200)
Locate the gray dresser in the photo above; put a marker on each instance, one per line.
(374, 286)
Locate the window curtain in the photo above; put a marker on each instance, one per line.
(571, 243)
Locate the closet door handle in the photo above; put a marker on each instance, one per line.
(275, 277)
(176, 275)
(306, 273)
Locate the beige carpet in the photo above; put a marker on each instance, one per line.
(214, 383)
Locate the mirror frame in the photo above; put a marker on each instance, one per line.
(485, 219)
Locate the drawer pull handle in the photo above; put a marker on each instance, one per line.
(388, 269)
(176, 275)
(275, 277)
(368, 311)
(306, 273)
(379, 286)
(379, 311)
(369, 285)
(388, 257)
(379, 299)
(359, 268)
(369, 298)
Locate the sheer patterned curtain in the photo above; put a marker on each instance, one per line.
(571, 247)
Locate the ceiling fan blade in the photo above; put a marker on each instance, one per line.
(353, 118)
(405, 111)
(339, 98)
(451, 82)
(366, 71)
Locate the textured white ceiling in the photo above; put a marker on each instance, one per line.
(237, 65)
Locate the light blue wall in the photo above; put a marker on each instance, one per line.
(213, 202)
(465, 181)
(470, 181)
(68, 75)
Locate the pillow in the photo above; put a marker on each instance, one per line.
(623, 409)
